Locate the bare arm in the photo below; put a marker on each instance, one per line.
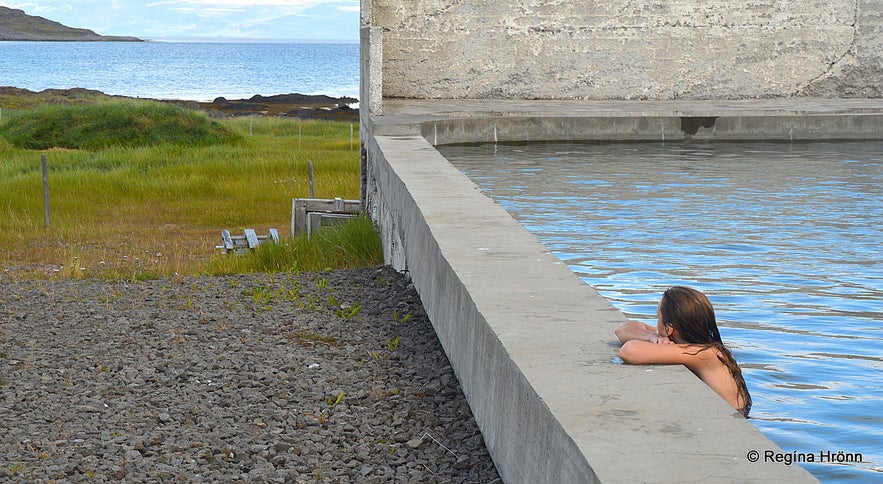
(647, 353)
(638, 331)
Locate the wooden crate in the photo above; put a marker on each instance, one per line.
(308, 215)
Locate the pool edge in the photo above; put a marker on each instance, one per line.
(533, 346)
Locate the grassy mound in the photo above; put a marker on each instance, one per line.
(125, 124)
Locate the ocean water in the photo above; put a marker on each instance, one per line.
(199, 71)
(784, 238)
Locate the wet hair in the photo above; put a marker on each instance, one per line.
(691, 314)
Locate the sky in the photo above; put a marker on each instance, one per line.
(181, 19)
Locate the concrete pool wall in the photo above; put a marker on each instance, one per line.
(533, 346)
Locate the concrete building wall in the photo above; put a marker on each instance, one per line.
(634, 49)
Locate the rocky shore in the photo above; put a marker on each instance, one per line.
(331, 377)
(301, 106)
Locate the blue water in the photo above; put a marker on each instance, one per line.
(785, 239)
(198, 71)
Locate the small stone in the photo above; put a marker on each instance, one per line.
(415, 443)
(134, 456)
(116, 473)
(281, 446)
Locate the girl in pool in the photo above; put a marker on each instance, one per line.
(686, 334)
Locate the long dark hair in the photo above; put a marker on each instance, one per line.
(691, 314)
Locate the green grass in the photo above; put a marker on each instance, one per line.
(115, 123)
(150, 204)
(349, 245)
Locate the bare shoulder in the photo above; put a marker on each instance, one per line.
(703, 361)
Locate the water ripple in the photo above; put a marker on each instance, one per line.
(784, 238)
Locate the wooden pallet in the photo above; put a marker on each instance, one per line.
(241, 244)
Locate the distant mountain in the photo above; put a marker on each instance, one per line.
(17, 25)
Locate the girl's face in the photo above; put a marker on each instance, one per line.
(661, 328)
(664, 329)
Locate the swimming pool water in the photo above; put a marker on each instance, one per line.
(784, 238)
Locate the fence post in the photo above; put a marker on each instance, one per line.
(44, 161)
(310, 174)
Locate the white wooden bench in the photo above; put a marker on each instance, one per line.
(241, 244)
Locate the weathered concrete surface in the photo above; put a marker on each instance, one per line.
(642, 49)
(482, 120)
(532, 346)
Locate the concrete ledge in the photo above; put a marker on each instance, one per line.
(533, 346)
(654, 128)
(453, 121)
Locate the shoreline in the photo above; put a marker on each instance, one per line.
(294, 105)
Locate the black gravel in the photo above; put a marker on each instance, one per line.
(332, 377)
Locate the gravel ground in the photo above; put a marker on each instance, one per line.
(333, 377)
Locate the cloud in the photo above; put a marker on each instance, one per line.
(266, 19)
(26, 6)
(294, 4)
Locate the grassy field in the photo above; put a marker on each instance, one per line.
(141, 189)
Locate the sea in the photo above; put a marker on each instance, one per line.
(200, 70)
